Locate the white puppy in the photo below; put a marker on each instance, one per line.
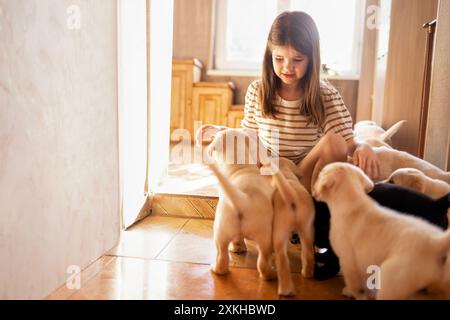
(391, 160)
(409, 253)
(244, 209)
(417, 180)
(374, 135)
(293, 212)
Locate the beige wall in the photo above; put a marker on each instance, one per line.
(437, 143)
(59, 189)
(192, 39)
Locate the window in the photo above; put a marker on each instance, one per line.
(243, 26)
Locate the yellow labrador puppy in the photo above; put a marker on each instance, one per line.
(417, 180)
(391, 160)
(409, 253)
(244, 209)
(293, 212)
(374, 135)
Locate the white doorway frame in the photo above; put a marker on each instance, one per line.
(144, 67)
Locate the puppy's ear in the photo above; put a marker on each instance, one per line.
(391, 178)
(417, 183)
(323, 186)
(367, 183)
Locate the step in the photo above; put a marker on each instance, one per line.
(190, 190)
(184, 205)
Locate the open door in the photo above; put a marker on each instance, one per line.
(160, 44)
(145, 54)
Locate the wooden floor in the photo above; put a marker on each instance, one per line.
(168, 258)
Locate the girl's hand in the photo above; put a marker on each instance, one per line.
(205, 134)
(365, 158)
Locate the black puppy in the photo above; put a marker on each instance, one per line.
(396, 197)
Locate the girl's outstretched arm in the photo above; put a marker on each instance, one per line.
(364, 157)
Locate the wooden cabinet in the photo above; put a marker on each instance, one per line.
(185, 73)
(235, 116)
(211, 101)
(195, 103)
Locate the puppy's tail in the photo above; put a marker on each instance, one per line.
(287, 192)
(237, 198)
(392, 130)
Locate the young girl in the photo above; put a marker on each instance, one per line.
(315, 127)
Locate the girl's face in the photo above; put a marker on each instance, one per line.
(289, 64)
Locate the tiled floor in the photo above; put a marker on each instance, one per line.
(168, 258)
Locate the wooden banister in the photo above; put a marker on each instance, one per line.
(431, 27)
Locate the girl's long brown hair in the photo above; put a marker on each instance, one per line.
(298, 30)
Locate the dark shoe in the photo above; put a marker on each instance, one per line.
(326, 271)
(325, 257)
(326, 265)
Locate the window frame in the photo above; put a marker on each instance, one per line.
(221, 67)
(220, 63)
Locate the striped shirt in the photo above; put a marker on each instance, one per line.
(295, 137)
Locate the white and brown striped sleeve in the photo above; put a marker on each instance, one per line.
(251, 106)
(337, 117)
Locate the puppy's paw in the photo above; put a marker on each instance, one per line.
(308, 272)
(238, 247)
(271, 275)
(219, 270)
(286, 292)
(346, 292)
(360, 295)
